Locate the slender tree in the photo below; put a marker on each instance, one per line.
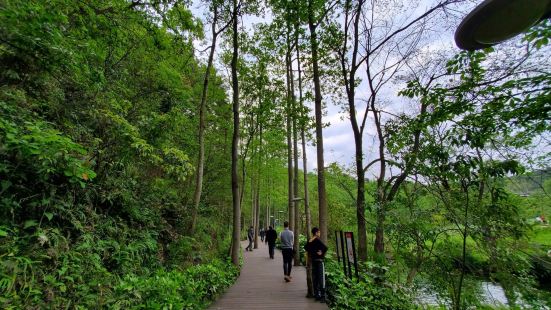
(313, 22)
(385, 49)
(303, 122)
(215, 6)
(236, 237)
(348, 70)
(289, 122)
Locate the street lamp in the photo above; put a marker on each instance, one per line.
(494, 21)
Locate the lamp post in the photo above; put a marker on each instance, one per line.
(494, 21)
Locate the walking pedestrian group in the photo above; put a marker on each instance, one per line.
(315, 250)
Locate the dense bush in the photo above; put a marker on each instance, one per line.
(345, 293)
(193, 288)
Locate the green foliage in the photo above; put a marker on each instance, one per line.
(194, 288)
(344, 293)
(34, 150)
(97, 128)
(483, 110)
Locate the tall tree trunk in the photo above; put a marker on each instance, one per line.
(236, 236)
(322, 196)
(253, 208)
(360, 201)
(257, 223)
(245, 151)
(290, 171)
(294, 115)
(379, 245)
(257, 196)
(303, 122)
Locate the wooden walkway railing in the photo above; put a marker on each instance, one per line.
(261, 285)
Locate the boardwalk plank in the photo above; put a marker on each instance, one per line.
(261, 285)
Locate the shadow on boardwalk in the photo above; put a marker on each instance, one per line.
(261, 285)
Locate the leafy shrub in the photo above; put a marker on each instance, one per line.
(344, 293)
(193, 288)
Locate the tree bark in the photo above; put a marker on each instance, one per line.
(236, 236)
(290, 170)
(256, 214)
(257, 198)
(296, 215)
(308, 221)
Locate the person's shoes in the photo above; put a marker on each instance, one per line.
(286, 278)
(317, 297)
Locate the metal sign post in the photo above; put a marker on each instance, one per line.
(351, 253)
(337, 247)
(349, 256)
(343, 251)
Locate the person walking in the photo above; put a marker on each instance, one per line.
(250, 236)
(316, 252)
(262, 233)
(287, 238)
(271, 236)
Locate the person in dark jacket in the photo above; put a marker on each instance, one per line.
(316, 252)
(250, 236)
(271, 236)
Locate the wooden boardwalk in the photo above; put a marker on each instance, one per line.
(261, 285)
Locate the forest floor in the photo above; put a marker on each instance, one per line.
(261, 285)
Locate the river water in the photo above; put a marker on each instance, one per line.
(491, 294)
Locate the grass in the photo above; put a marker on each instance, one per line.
(541, 235)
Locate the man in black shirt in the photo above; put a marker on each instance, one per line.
(316, 252)
(271, 236)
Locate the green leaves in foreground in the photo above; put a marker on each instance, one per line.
(38, 151)
(345, 293)
(193, 288)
